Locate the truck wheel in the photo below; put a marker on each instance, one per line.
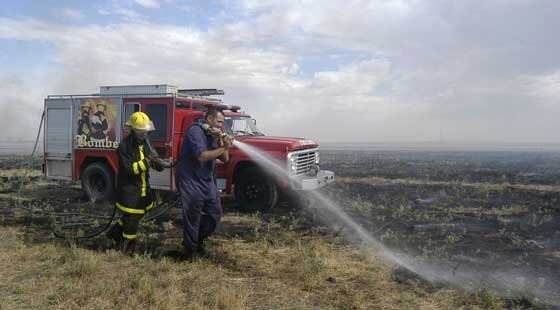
(254, 190)
(98, 182)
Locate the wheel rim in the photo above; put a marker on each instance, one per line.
(255, 191)
(98, 183)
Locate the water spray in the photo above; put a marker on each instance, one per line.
(468, 279)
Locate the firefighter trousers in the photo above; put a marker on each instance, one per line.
(126, 227)
(200, 217)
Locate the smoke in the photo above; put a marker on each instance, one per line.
(20, 109)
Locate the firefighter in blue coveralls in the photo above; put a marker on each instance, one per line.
(203, 143)
(134, 196)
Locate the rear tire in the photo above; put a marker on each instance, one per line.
(254, 190)
(98, 182)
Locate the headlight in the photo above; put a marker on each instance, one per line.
(317, 158)
(292, 163)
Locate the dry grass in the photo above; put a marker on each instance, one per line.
(256, 264)
(264, 266)
(59, 277)
(20, 172)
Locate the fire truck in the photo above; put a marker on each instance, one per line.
(82, 133)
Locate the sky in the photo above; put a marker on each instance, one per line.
(332, 71)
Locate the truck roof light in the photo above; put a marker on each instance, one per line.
(137, 89)
(201, 92)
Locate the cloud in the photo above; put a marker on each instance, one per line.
(151, 4)
(115, 8)
(72, 13)
(545, 87)
(352, 70)
(359, 78)
(126, 53)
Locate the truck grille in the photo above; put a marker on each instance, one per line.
(304, 160)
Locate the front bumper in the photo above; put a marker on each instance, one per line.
(309, 183)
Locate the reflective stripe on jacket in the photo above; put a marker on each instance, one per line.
(133, 187)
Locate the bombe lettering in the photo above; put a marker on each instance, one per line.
(82, 141)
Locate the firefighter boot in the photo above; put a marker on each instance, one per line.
(115, 234)
(128, 246)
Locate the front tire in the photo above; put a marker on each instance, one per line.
(254, 190)
(98, 182)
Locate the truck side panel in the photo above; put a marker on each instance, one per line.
(58, 138)
(83, 157)
(96, 133)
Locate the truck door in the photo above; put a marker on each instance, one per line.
(160, 111)
(58, 139)
(161, 114)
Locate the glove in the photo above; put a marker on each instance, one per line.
(155, 164)
(160, 164)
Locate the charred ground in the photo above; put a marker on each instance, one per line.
(484, 211)
(478, 211)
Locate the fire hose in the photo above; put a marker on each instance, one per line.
(58, 230)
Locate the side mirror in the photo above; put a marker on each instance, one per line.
(254, 121)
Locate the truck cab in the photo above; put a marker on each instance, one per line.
(82, 133)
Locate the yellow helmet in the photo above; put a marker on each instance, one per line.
(140, 121)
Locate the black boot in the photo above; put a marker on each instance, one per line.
(177, 253)
(115, 234)
(128, 246)
(201, 250)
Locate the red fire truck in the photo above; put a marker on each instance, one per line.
(82, 132)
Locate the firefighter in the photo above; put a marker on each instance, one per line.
(195, 180)
(134, 196)
(84, 126)
(99, 123)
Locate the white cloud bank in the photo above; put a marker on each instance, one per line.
(333, 71)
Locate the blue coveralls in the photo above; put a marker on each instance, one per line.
(196, 184)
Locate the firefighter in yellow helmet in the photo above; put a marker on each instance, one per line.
(134, 196)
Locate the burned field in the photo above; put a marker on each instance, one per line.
(492, 215)
(473, 166)
(495, 213)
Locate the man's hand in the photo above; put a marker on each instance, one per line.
(216, 132)
(227, 141)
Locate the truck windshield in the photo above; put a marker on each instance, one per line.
(239, 126)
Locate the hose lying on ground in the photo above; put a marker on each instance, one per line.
(158, 211)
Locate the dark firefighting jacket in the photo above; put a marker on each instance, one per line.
(133, 187)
